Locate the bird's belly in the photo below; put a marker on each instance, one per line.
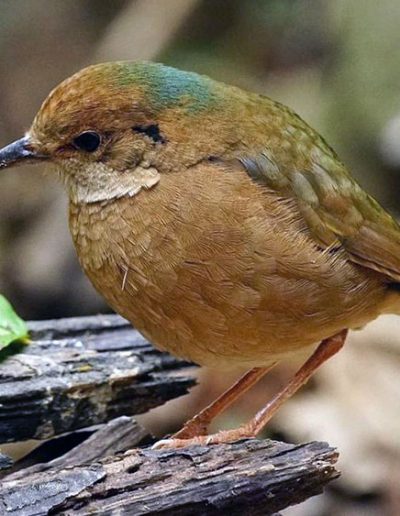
(197, 312)
(215, 289)
(216, 325)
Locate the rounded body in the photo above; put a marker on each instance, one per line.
(218, 270)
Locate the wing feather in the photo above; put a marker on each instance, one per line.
(338, 212)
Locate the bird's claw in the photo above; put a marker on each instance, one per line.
(226, 436)
(174, 443)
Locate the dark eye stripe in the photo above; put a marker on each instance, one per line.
(88, 141)
(152, 131)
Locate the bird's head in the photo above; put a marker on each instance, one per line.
(112, 129)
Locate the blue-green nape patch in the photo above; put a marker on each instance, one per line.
(166, 86)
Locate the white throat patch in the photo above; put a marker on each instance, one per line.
(96, 182)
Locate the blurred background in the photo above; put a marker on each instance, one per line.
(337, 63)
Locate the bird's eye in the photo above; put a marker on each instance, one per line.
(88, 141)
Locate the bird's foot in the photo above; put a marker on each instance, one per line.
(224, 436)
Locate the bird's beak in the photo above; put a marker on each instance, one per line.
(19, 152)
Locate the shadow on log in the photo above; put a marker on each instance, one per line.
(5, 462)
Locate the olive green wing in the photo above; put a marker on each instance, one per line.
(338, 212)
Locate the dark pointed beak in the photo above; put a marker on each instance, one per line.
(19, 152)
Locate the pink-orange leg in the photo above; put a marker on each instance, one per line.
(325, 350)
(199, 424)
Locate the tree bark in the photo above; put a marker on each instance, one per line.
(245, 478)
(81, 372)
(86, 371)
(117, 436)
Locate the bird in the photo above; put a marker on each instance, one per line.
(216, 221)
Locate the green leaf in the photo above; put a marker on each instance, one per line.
(12, 327)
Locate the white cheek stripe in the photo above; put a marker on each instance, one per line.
(96, 182)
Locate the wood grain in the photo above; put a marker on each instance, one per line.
(245, 478)
(80, 372)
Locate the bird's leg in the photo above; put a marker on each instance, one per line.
(198, 425)
(325, 350)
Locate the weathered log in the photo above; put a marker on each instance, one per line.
(118, 435)
(80, 372)
(245, 478)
